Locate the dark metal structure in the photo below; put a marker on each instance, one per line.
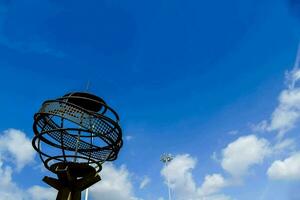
(74, 135)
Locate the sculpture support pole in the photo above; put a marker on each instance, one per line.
(71, 182)
(87, 194)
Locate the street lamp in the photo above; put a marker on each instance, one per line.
(166, 159)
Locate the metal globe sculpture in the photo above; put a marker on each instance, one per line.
(74, 135)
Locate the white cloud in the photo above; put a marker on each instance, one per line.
(5, 174)
(9, 190)
(240, 155)
(260, 127)
(283, 145)
(178, 172)
(212, 184)
(115, 184)
(42, 193)
(293, 76)
(17, 147)
(179, 175)
(145, 182)
(288, 169)
(287, 113)
(217, 197)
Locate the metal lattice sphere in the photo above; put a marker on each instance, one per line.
(78, 128)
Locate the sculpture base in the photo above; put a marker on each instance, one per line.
(72, 179)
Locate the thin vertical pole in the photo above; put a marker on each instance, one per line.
(86, 193)
(168, 182)
(166, 159)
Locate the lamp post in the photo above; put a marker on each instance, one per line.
(166, 159)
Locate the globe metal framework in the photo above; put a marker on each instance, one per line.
(74, 135)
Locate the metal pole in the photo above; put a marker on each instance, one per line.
(166, 159)
(168, 182)
(87, 194)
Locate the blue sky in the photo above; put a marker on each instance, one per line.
(193, 78)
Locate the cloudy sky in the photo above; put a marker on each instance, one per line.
(215, 83)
